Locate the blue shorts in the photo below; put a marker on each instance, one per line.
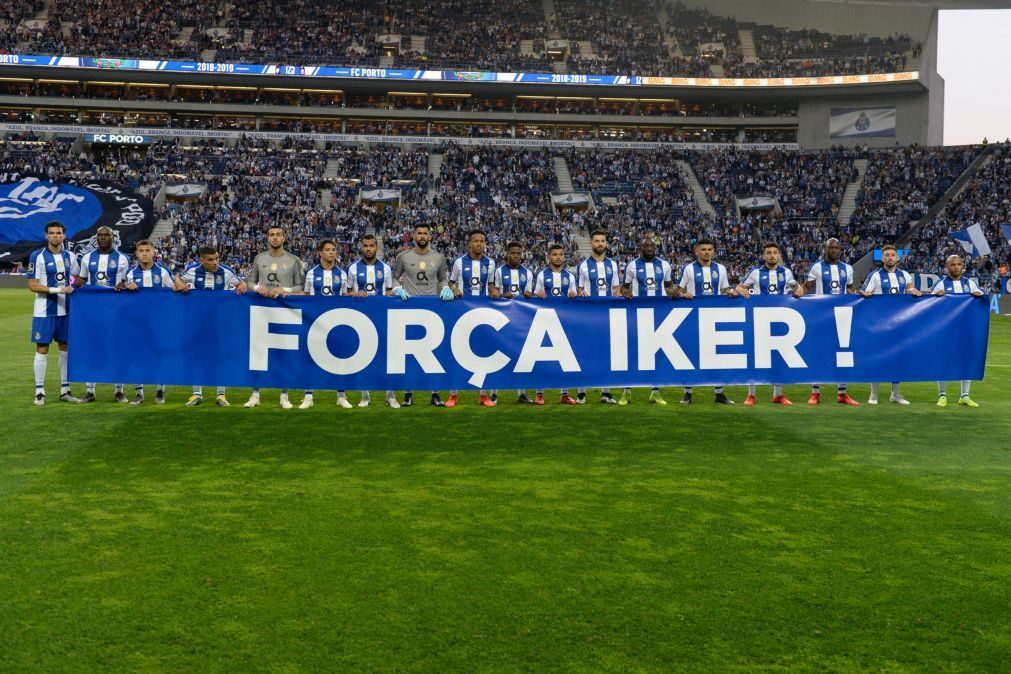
(47, 329)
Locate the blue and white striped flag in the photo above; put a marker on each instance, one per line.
(1006, 230)
(972, 240)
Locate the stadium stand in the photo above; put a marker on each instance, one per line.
(595, 37)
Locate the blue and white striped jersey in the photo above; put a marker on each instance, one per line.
(104, 269)
(374, 279)
(960, 287)
(830, 279)
(765, 281)
(472, 277)
(598, 279)
(199, 278)
(54, 271)
(515, 281)
(555, 284)
(326, 282)
(704, 281)
(648, 278)
(883, 282)
(158, 276)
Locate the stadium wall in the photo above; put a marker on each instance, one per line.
(912, 112)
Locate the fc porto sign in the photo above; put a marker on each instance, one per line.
(28, 202)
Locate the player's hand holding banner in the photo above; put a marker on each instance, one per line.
(382, 343)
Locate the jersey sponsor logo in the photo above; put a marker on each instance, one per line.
(893, 291)
(514, 288)
(370, 287)
(650, 283)
(773, 288)
(707, 287)
(474, 281)
(835, 285)
(601, 283)
(326, 290)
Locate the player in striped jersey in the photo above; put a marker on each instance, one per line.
(513, 280)
(889, 280)
(771, 278)
(49, 272)
(148, 274)
(471, 275)
(557, 283)
(104, 266)
(370, 276)
(597, 276)
(707, 279)
(209, 274)
(831, 276)
(326, 280)
(955, 283)
(647, 276)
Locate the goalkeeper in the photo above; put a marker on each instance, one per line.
(421, 271)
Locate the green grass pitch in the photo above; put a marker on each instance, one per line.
(534, 539)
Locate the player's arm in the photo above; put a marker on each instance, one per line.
(572, 285)
(454, 277)
(626, 286)
(539, 286)
(81, 276)
(975, 289)
(668, 281)
(298, 282)
(870, 285)
(231, 278)
(582, 278)
(745, 287)
(725, 287)
(387, 281)
(912, 290)
(442, 275)
(809, 282)
(495, 285)
(791, 282)
(682, 287)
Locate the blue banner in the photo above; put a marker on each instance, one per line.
(220, 338)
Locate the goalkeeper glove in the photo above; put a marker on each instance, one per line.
(446, 295)
(401, 293)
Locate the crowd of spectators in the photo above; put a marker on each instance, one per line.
(985, 201)
(313, 191)
(626, 36)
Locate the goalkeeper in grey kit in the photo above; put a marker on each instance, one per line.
(422, 271)
(275, 274)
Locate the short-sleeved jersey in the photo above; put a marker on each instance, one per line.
(765, 281)
(704, 280)
(516, 281)
(52, 270)
(883, 282)
(420, 274)
(158, 276)
(472, 277)
(199, 278)
(830, 279)
(373, 279)
(277, 271)
(960, 287)
(104, 269)
(327, 282)
(555, 284)
(647, 279)
(598, 279)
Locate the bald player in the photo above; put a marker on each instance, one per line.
(421, 271)
(831, 276)
(275, 274)
(955, 283)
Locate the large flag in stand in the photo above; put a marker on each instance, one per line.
(1006, 230)
(972, 240)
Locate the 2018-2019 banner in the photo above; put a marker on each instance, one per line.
(220, 338)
